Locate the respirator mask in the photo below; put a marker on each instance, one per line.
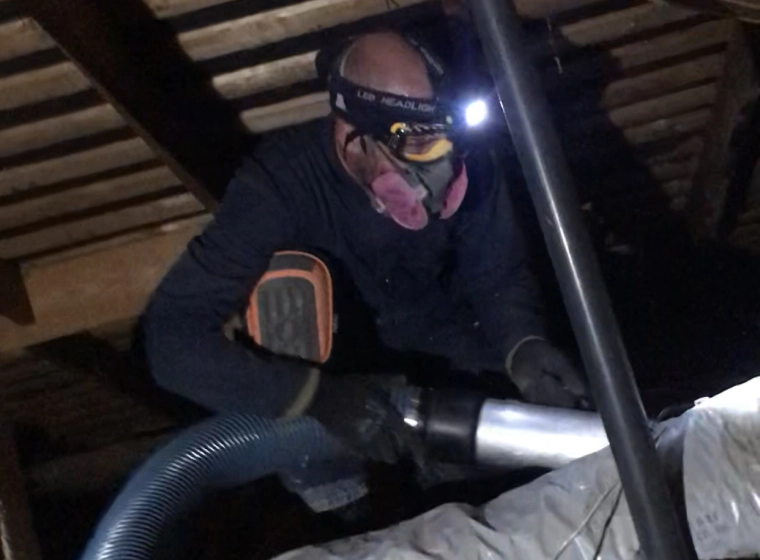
(429, 180)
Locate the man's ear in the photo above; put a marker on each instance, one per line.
(341, 130)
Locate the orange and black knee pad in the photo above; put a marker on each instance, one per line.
(290, 311)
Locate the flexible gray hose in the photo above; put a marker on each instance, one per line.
(222, 452)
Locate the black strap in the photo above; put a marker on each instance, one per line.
(372, 111)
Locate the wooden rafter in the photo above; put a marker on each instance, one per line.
(738, 88)
(14, 300)
(84, 292)
(134, 62)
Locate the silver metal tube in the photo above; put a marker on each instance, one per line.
(515, 434)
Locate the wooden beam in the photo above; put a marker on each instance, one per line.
(745, 10)
(300, 68)
(22, 36)
(739, 86)
(267, 76)
(134, 62)
(677, 187)
(664, 80)
(313, 15)
(112, 156)
(667, 128)
(42, 84)
(172, 8)
(315, 105)
(583, 144)
(712, 34)
(613, 26)
(197, 223)
(302, 109)
(18, 540)
(39, 134)
(74, 200)
(672, 171)
(686, 149)
(287, 113)
(14, 301)
(276, 25)
(84, 292)
(663, 107)
(531, 9)
(652, 109)
(102, 225)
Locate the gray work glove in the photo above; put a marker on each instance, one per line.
(544, 375)
(357, 410)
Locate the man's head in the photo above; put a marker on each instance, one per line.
(384, 62)
(412, 169)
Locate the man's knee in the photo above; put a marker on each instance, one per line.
(290, 311)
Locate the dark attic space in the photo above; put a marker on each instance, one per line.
(280, 273)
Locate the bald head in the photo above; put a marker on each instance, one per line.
(386, 62)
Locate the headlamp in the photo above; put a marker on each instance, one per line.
(475, 112)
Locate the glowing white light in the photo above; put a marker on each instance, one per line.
(413, 422)
(476, 112)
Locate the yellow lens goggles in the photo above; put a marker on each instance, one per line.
(419, 143)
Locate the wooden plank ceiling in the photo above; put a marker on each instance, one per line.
(83, 194)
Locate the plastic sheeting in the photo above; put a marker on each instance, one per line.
(721, 464)
(579, 512)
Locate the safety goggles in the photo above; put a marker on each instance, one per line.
(418, 143)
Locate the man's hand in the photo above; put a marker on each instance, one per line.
(544, 375)
(357, 409)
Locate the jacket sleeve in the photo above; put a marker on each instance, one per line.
(186, 350)
(493, 271)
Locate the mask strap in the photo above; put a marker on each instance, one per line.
(356, 133)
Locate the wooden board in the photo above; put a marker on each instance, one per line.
(664, 80)
(98, 226)
(42, 84)
(615, 26)
(197, 223)
(666, 128)
(662, 107)
(287, 113)
(739, 86)
(699, 37)
(280, 24)
(533, 9)
(120, 154)
(136, 65)
(22, 36)
(80, 293)
(263, 77)
(77, 199)
(77, 124)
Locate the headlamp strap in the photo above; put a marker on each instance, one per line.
(371, 111)
(376, 111)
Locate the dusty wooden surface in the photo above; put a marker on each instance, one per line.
(739, 85)
(84, 292)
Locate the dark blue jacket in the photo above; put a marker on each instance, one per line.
(294, 194)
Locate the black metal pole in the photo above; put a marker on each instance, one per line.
(604, 355)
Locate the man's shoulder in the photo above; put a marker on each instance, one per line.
(483, 180)
(288, 167)
(292, 146)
